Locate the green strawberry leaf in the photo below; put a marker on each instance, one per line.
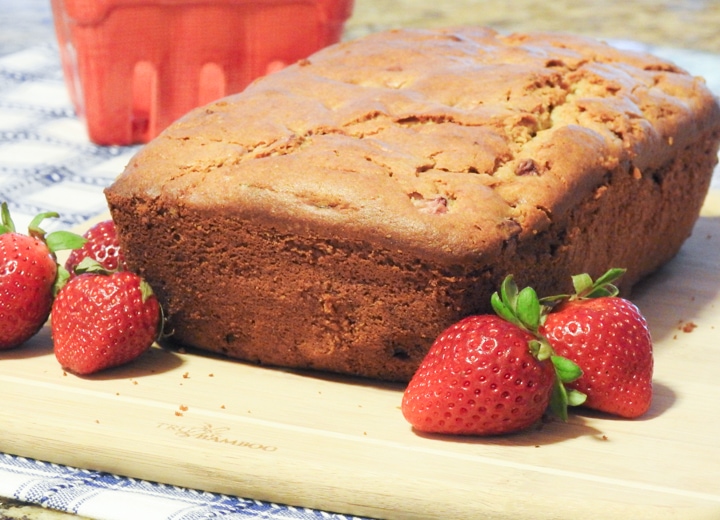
(585, 288)
(145, 290)
(559, 400)
(7, 225)
(501, 309)
(575, 397)
(528, 308)
(521, 308)
(602, 289)
(90, 265)
(61, 278)
(582, 283)
(509, 291)
(540, 348)
(611, 276)
(63, 240)
(545, 352)
(567, 371)
(604, 286)
(534, 347)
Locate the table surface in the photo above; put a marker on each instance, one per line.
(686, 29)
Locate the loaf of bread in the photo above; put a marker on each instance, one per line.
(339, 214)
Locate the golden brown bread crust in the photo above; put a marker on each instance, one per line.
(339, 214)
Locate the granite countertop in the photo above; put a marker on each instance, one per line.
(680, 24)
(688, 24)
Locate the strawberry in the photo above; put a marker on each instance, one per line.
(486, 375)
(609, 339)
(28, 274)
(102, 245)
(102, 320)
(478, 378)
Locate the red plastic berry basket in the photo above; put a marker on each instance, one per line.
(132, 67)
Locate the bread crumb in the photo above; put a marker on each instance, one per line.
(186, 375)
(211, 375)
(687, 326)
(178, 414)
(183, 408)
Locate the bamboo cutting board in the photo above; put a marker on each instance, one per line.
(339, 444)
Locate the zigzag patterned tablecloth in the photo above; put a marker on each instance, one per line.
(48, 164)
(104, 496)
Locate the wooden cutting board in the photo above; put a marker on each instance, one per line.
(342, 445)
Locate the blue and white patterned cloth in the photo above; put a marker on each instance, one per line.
(48, 164)
(111, 497)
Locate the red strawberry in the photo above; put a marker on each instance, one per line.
(608, 338)
(28, 273)
(103, 320)
(479, 378)
(102, 246)
(487, 376)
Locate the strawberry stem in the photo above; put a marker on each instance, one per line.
(34, 229)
